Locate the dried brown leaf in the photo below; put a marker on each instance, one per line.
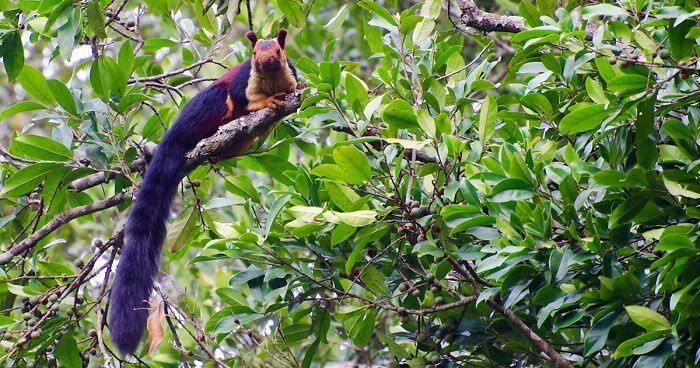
(155, 327)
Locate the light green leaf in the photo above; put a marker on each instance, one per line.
(63, 96)
(378, 10)
(629, 82)
(355, 218)
(336, 22)
(242, 186)
(353, 162)
(487, 117)
(627, 347)
(20, 107)
(40, 148)
(293, 10)
(647, 318)
(426, 122)
(35, 84)
(583, 119)
(400, 114)
(27, 179)
(595, 92)
(96, 19)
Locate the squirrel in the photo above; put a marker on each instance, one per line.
(257, 83)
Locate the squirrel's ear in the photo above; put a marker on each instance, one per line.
(281, 37)
(252, 37)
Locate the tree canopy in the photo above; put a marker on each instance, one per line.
(458, 183)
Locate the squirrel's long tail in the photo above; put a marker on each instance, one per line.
(145, 228)
(140, 254)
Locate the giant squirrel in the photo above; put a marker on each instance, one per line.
(257, 83)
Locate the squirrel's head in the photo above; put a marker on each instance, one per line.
(268, 55)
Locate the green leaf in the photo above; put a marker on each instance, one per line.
(535, 32)
(356, 90)
(597, 335)
(343, 196)
(680, 46)
(126, 58)
(629, 82)
(353, 162)
(180, 230)
(352, 258)
(355, 218)
(330, 72)
(374, 280)
(63, 96)
(626, 348)
(310, 354)
(428, 248)
(539, 103)
(363, 329)
(341, 233)
(20, 107)
(400, 114)
(647, 318)
(511, 189)
(426, 122)
(40, 148)
(67, 353)
(100, 81)
(624, 212)
(336, 22)
(602, 9)
(96, 19)
(35, 84)
(487, 117)
(605, 69)
(27, 179)
(335, 172)
(583, 119)
(378, 10)
(465, 224)
(423, 30)
(155, 44)
(13, 55)
(274, 210)
(242, 186)
(293, 10)
(595, 92)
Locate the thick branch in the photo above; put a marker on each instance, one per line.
(545, 347)
(240, 130)
(474, 17)
(60, 219)
(229, 135)
(531, 335)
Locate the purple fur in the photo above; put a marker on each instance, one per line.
(145, 228)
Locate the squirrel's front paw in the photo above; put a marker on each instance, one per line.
(274, 101)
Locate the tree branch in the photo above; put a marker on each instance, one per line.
(229, 135)
(60, 219)
(102, 177)
(158, 77)
(545, 347)
(240, 130)
(474, 17)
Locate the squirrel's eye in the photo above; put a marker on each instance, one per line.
(254, 52)
(278, 51)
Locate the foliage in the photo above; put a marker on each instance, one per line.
(442, 197)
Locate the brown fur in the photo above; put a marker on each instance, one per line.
(265, 87)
